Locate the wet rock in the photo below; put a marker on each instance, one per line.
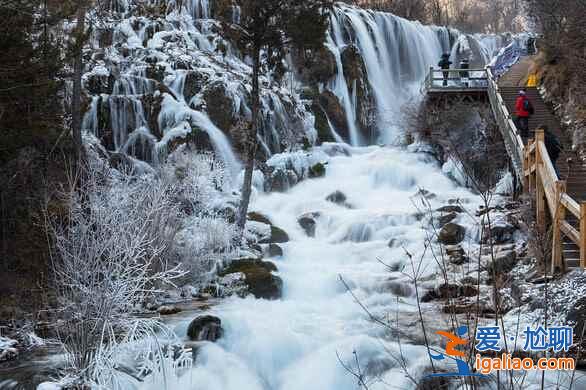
(98, 84)
(281, 180)
(337, 197)
(205, 328)
(449, 291)
(356, 76)
(320, 68)
(258, 277)
(220, 107)
(452, 234)
(275, 250)
(394, 243)
(278, 236)
(318, 170)
(168, 310)
(451, 209)
(504, 262)
(258, 217)
(399, 289)
(433, 383)
(576, 317)
(500, 232)
(444, 219)
(194, 83)
(456, 254)
(308, 223)
(333, 110)
(8, 349)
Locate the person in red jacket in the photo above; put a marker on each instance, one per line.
(523, 109)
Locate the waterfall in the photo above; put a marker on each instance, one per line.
(397, 55)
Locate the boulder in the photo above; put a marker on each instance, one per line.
(501, 233)
(205, 328)
(503, 262)
(337, 197)
(318, 69)
(308, 223)
(258, 217)
(318, 170)
(394, 243)
(258, 277)
(449, 291)
(281, 180)
(334, 111)
(451, 234)
(356, 76)
(168, 310)
(400, 289)
(451, 209)
(444, 219)
(278, 236)
(275, 250)
(456, 254)
(220, 107)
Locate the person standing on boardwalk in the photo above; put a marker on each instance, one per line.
(445, 64)
(465, 75)
(523, 110)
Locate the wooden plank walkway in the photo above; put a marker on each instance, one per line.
(562, 198)
(571, 169)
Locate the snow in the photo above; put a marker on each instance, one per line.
(8, 349)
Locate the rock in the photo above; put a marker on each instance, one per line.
(258, 217)
(168, 310)
(433, 382)
(500, 232)
(205, 328)
(425, 194)
(275, 250)
(8, 350)
(400, 289)
(308, 223)
(258, 277)
(220, 107)
(394, 243)
(448, 291)
(318, 69)
(337, 197)
(504, 262)
(278, 236)
(281, 180)
(444, 219)
(576, 317)
(318, 170)
(451, 234)
(451, 209)
(334, 111)
(456, 254)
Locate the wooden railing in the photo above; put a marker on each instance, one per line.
(541, 178)
(531, 163)
(477, 80)
(513, 141)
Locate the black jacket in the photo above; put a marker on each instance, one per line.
(445, 63)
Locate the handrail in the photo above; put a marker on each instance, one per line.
(532, 165)
(472, 76)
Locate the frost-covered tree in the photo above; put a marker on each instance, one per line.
(110, 252)
(269, 28)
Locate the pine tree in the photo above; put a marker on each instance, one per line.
(270, 28)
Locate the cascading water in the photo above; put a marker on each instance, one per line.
(304, 340)
(397, 55)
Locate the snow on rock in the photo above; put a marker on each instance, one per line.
(155, 77)
(8, 350)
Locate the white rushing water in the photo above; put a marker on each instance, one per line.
(292, 343)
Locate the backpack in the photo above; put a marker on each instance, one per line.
(528, 106)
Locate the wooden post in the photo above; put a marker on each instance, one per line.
(583, 235)
(560, 215)
(531, 159)
(539, 184)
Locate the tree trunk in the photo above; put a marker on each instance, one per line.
(251, 142)
(77, 73)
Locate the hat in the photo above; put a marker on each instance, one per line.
(445, 55)
(522, 92)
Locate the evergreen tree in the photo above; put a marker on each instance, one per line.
(270, 28)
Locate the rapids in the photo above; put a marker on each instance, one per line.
(292, 343)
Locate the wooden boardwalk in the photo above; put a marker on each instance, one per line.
(571, 170)
(560, 201)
